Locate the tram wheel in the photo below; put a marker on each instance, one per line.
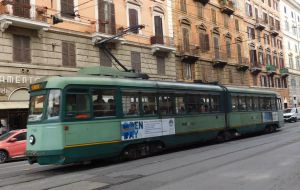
(3, 156)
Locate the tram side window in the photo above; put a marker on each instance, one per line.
(255, 103)
(166, 105)
(204, 104)
(104, 102)
(180, 105)
(249, 103)
(77, 104)
(192, 104)
(215, 103)
(54, 104)
(279, 105)
(130, 101)
(265, 104)
(242, 103)
(273, 104)
(234, 103)
(149, 104)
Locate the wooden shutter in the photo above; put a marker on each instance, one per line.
(228, 48)
(133, 19)
(213, 16)
(104, 59)
(112, 19)
(72, 55)
(186, 40)
(216, 46)
(67, 8)
(17, 48)
(256, 13)
(239, 51)
(161, 66)
(183, 5)
(21, 49)
(158, 30)
(237, 27)
(21, 8)
(65, 54)
(206, 39)
(101, 14)
(136, 61)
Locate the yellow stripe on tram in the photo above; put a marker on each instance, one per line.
(91, 144)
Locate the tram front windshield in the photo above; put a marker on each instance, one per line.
(36, 107)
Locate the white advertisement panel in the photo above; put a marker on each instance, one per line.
(139, 129)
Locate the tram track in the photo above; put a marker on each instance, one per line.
(110, 170)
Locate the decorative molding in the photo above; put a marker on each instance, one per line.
(4, 25)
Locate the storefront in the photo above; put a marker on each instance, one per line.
(14, 100)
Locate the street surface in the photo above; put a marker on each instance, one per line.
(264, 162)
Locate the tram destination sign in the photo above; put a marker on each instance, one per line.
(139, 129)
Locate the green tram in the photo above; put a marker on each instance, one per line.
(81, 118)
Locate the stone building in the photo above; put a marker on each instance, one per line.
(209, 36)
(265, 46)
(34, 43)
(290, 17)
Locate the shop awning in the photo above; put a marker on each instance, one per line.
(14, 105)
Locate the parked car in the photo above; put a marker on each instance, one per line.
(12, 145)
(291, 114)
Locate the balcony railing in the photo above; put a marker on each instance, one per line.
(260, 24)
(274, 31)
(162, 44)
(188, 53)
(22, 15)
(204, 2)
(255, 68)
(284, 72)
(271, 69)
(220, 59)
(227, 7)
(243, 64)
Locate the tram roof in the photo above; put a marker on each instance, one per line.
(62, 82)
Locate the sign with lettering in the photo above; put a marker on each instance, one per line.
(139, 129)
(18, 79)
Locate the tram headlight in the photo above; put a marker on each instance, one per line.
(31, 139)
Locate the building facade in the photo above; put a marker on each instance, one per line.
(210, 44)
(265, 46)
(34, 43)
(290, 16)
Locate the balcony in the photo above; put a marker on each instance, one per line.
(204, 2)
(284, 72)
(162, 44)
(23, 15)
(220, 59)
(227, 7)
(255, 69)
(271, 69)
(260, 24)
(274, 31)
(243, 64)
(188, 54)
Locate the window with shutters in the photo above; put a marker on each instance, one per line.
(275, 60)
(204, 41)
(21, 8)
(226, 20)
(186, 39)
(136, 61)
(105, 59)
(261, 57)
(67, 8)
(230, 76)
(158, 28)
(253, 57)
(228, 47)
(291, 62)
(214, 16)
(200, 9)
(134, 17)
(216, 47)
(268, 59)
(265, 17)
(161, 65)
(68, 54)
(187, 71)
(237, 26)
(251, 33)
(271, 21)
(239, 52)
(21, 49)
(249, 9)
(107, 21)
(183, 5)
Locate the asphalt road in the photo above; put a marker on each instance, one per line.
(264, 162)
